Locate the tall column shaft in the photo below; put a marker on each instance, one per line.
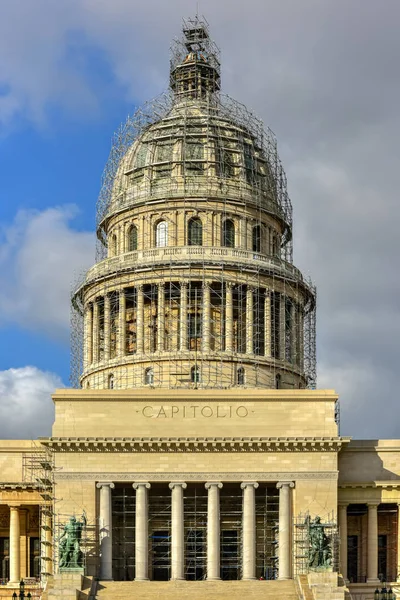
(160, 317)
(142, 531)
(88, 336)
(285, 521)
(95, 331)
(282, 326)
(301, 340)
(15, 546)
(267, 324)
(249, 321)
(293, 332)
(183, 317)
(122, 323)
(343, 539)
(105, 530)
(249, 529)
(206, 317)
(140, 319)
(229, 318)
(372, 551)
(177, 533)
(398, 542)
(213, 531)
(107, 327)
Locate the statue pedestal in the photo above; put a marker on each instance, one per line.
(66, 584)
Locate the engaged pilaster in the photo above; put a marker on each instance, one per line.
(285, 518)
(213, 530)
(141, 530)
(160, 317)
(107, 328)
(183, 317)
(267, 323)
(206, 317)
(122, 323)
(88, 335)
(372, 552)
(249, 529)
(140, 319)
(229, 317)
(343, 539)
(177, 533)
(15, 545)
(95, 331)
(249, 321)
(105, 530)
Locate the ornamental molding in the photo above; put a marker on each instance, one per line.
(30, 486)
(194, 444)
(206, 477)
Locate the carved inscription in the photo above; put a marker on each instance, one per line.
(194, 411)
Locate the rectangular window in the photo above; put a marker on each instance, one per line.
(164, 152)
(194, 153)
(141, 157)
(382, 557)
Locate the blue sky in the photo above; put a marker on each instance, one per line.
(322, 75)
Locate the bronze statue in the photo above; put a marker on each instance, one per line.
(70, 553)
(320, 551)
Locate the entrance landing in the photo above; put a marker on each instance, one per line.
(196, 590)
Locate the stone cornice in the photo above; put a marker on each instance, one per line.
(163, 395)
(23, 485)
(195, 444)
(208, 477)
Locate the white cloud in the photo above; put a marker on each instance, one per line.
(40, 259)
(26, 407)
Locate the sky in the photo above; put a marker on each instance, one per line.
(322, 74)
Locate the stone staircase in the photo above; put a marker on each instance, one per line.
(196, 590)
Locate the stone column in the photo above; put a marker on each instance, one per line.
(282, 326)
(372, 551)
(177, 533)
(343, 539)
(267, 323)
(15, 546)
(95, 331)
(183, 316)
(206, 317)
(139, 319)
(229, 317)
(142, 531)
(293, 332)
(249, 529)
(285, 528)
(160, 317)
(122, 323)
(105, 530)
(107, 328)
(88, 335)
(249, 320)
(213, 531)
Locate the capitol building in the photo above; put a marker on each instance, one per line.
(194, 447)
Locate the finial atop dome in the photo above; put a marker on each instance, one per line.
(195, 65)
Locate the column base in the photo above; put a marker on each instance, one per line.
(284, 578)
(177, 579)
(213, 579)
(249, 578)
(142, 579)
(374, 580)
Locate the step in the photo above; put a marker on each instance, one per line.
(196, 590)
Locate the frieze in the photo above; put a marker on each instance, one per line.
(209, 444)
(234, 476)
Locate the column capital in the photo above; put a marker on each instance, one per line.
(14, 506)
(105, 484)
(122, 292)
(229, 285)
(183, 283)
(282, 484)
(177, 483)
(138, 484)
(139, 287)
(246, 484)
(373, 504)
(161, 284)
(210, 484)
(343, 505)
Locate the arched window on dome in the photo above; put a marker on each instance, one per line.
(275, 246)
(132, 238)
(278, 381)
(195, 375)
(161, 234)
(228, 233)
(111, 382)
(195, 232)
(240, 376)
(113, 245)
(149, 376)
(257, 238)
